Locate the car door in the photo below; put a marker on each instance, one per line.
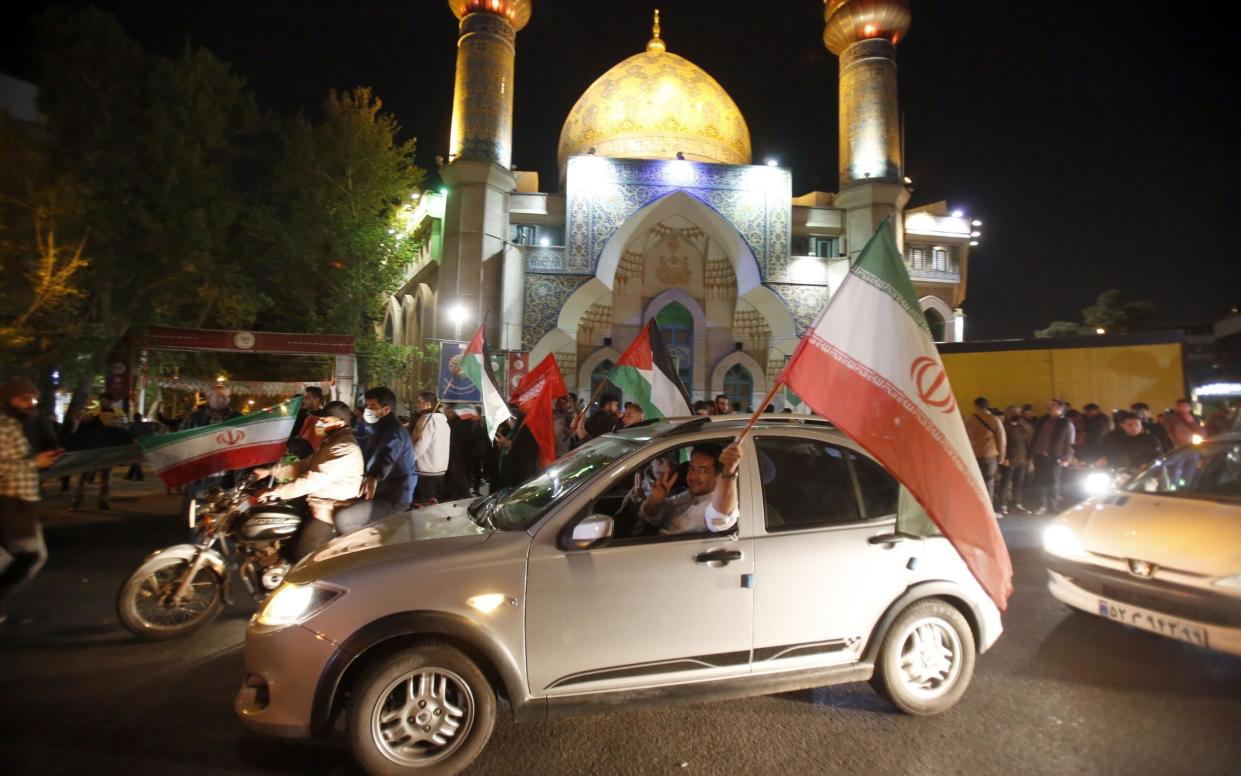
(638, 612)
(827, 561)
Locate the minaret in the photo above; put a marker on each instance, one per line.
(478, 173)
(863, 35)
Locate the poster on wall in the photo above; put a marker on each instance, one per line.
(453, 385)
(518, 366)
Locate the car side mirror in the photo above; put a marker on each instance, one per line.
(594, 531)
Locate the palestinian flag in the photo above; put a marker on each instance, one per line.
(477, 366)
(238, 443)
(536, 395)
(869, 365)
(645, 372)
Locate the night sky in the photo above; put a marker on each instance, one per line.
(1097, 140)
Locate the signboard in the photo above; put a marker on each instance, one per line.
(453, 385)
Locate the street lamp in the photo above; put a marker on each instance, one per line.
(457, 314)
(1100, 330)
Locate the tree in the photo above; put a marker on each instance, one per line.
(1110, 313)
(335, 247)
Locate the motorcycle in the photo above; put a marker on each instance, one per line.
(180, 588)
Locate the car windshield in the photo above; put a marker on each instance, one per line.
(1210, 471)
(517, 509)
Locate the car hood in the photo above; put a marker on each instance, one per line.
(437, 529)
(1201, 537)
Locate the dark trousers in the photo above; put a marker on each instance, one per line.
(1012, 487)
(429, 487)
(989, 468)
(1047, 482)
(21, 540)
(105, 487)
(315, 534)
(362, 513)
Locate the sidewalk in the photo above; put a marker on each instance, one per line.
(128, 500)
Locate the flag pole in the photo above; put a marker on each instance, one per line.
(775, 386)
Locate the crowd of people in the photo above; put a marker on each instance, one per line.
(1023, 455)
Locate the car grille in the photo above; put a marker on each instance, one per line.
(1164, 605)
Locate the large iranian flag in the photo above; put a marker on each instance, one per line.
(477, 367)
(248, 440)
(870, 366)
(646, 372)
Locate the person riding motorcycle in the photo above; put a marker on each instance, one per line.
(330, 478)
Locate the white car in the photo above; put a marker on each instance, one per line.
(1161, 553)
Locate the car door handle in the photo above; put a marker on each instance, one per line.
(890, 540)
(722, 557)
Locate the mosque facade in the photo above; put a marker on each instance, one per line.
(661, 213)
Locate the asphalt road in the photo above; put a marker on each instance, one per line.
(1061, 693)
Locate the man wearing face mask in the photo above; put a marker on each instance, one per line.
(330, 478)
(388, 478)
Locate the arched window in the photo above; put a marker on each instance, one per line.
(939, 327)
(599, 375)
(389, 328)
(676, 324)
(739, 385)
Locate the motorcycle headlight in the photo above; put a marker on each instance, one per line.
(1060, 540)
(1233, 582)
(294, 604)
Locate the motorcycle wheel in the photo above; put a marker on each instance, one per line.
(143, 606)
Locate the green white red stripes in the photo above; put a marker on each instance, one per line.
(869, 365)
(646, 373)
(477, 367)
(248, 440)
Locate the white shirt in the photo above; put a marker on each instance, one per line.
(431, 446)
(684, 514)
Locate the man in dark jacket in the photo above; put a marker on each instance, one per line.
(1098, 426)
(1018, 434)
(388, 454)
(1129, 446)
(1052, 450)
(1154, 427)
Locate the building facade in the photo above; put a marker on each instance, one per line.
(662, 214)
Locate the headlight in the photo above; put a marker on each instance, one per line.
(1098, 484)
(1059, 539)
(292, 604)
(1233, 582)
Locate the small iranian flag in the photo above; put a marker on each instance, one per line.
(238, 443)
(477, 367)
(870, 366)
(645, 371)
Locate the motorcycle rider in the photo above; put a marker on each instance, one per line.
(388, 453)
(1129, 446)
(330, 478)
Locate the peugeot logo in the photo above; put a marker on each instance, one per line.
(230, 437)
(931, 383)
(1140, 568)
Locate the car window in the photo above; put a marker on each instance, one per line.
(880, 493)
(1207, 471)
(806, 484)
(635, 515)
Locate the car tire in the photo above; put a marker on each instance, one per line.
(426, 709)
(926, 659)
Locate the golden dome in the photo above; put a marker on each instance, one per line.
(655, 105)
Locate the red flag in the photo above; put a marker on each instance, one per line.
(536, 395)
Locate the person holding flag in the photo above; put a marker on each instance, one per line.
(870, 366)
(535, 396)
(477, 367)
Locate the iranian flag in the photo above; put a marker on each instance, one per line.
(238, 443)
(870, 366)
(645, 371)
(477, 367)
(536, 395)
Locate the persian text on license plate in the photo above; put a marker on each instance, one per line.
(1153, 622)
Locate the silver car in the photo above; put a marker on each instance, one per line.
(559, 597)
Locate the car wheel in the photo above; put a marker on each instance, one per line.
(926, 659)
(425, 710)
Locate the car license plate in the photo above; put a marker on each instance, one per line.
(1153, 622)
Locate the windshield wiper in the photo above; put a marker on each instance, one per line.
(480, 511)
